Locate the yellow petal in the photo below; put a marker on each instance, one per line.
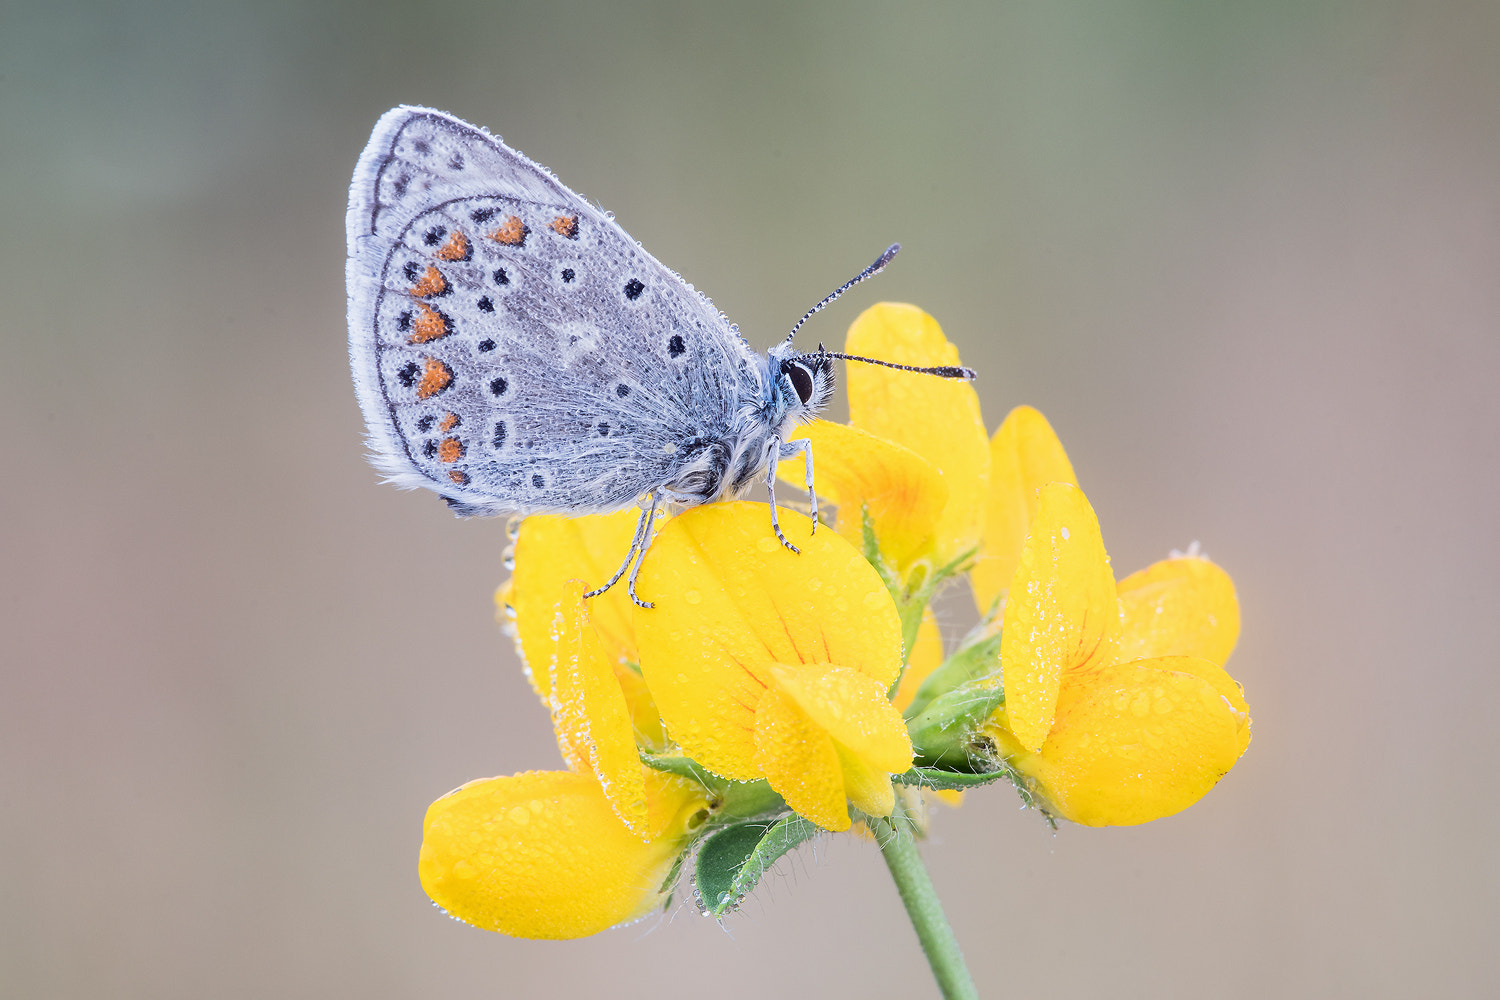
(926, 656)
(1228, 688)
(541, 854)
(551, 550)
(1138, 741)
(731, 601)
(937, 418)
(1179, 607)
(799, 761)
(1025, 455)
(850, 707)
(1062, 612)
(589, 714)
(869, 788)
(903, 492)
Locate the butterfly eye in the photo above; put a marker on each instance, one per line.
(802, 380)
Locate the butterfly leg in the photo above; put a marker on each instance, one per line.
(637, 544)
(803, 447)
(640, 555)
(774, 455)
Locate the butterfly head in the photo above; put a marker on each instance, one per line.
(801, 384)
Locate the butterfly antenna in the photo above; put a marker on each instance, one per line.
(869, 272)
(941, 371)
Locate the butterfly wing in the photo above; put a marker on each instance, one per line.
(512, 347)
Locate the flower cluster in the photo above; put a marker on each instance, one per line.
(769, 695)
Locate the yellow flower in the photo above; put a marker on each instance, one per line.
(561, 854)
(766, 683)
(987, 495)
(542, 854)
(1113, 707)
(768, 664)
(915, 458)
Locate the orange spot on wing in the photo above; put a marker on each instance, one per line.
(460, 477)
(432, 283)
(512, 232)
(436, 377)
(449, 421)
(429, 326)
(566, 225)
(457, 247)
(450, 450)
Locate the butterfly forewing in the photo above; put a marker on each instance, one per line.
(513, 348)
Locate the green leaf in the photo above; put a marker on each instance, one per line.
(731, 861)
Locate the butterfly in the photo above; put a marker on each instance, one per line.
(515, 351)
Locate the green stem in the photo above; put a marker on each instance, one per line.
(926, 912)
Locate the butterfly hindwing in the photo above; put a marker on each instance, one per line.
(513, 348)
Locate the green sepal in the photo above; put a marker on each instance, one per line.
(747, 800)
(732, 860)
(669, 884)
(684, 767)
(943, 734)
(975, 662)
(937, 778)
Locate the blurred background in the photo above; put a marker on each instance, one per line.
(1246, 258)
